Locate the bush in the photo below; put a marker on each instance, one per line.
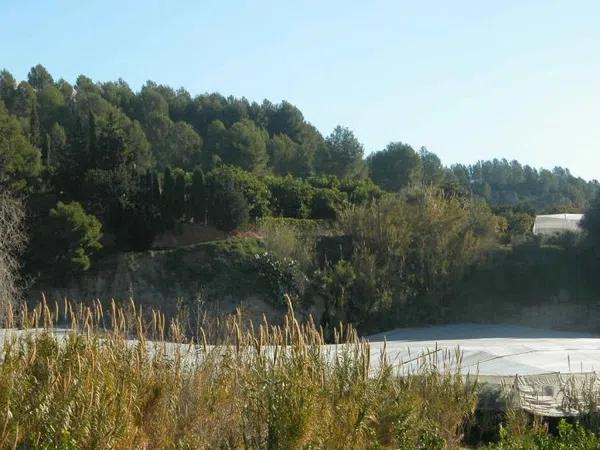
(410, 250)
(252, 187)
(281, 274)
(566, 239)
(301, 226)
(228, 208)
(354, 190)
(569, 436)
(516, 225)
(331, 249)
(360, 191)
(290, 197)
(290, 238)
(68, 238)
(326, 204)
(324, 181)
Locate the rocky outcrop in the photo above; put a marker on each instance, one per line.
(217, 275)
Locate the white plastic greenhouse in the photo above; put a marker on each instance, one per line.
(556, 223)
(537, 368)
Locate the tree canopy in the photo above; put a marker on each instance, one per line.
(142, 162)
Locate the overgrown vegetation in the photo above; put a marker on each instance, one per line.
(394, 238)
(75, 376)
(408, 251)
(12, 241)
(144, 162)
(390, 239)
(271, 387)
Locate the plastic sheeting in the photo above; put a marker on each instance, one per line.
(494, 349)
(557, 223)
(555, 394)
(545, 372)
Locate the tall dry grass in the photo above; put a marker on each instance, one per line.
(113, 379)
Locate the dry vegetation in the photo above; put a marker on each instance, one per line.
(12, 241)
(114, 380)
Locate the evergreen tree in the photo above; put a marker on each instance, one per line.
(155, 198)
(245, 146)
(67, 239)
(39, 77)
(34, 125)
(197, 197)
(395, 167)
(179, 195)
(92, 138)
(341, 155)
(47, 150)
(8, 88)
(19, 160)
(58, 143)
(78, 160)
(168, 197)
(110, 150)
(227, 207)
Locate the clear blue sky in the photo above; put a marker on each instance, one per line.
(468, 79)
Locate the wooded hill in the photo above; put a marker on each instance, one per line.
(94, 159)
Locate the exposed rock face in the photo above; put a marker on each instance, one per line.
(217, 276)
(220, 276)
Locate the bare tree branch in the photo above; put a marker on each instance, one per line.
(12, 243)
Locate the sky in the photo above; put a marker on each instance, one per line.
(469, 80)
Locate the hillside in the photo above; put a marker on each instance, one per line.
(114, 181)
(214, 277)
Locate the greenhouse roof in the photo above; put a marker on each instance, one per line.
(557, 223)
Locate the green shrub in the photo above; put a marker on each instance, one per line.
(281, 274)
(302, 226)
(252, 187)
(569, 437)
(228, 208)
(360, 191)
(324, 181)
(290, 197)
(67, 239)
(290, 238)
(408, 252)
(331, 249)
(326, 204)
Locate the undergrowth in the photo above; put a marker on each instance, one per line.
(120, 378)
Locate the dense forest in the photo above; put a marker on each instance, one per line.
(104, 169)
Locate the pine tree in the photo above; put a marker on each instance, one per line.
(228, 208)
(145, 182)
(92, 139)
(179, 196)
(167, 197)
(155, 189)
(34, 125)
(47, 151)
(78, 159)
(197, 198)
